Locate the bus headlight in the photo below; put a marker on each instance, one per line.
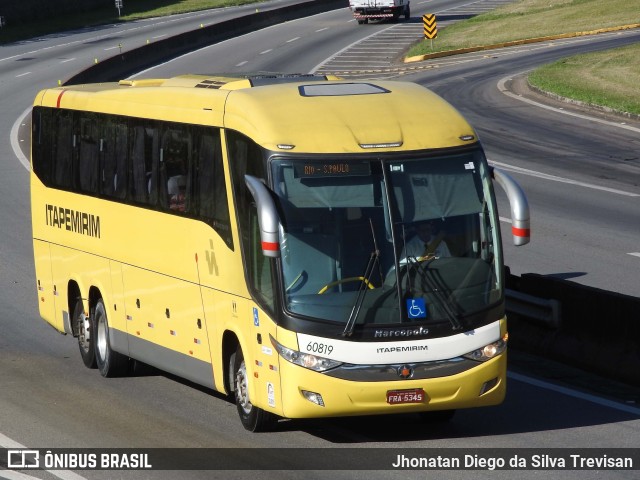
(489, 351)
(306, 360)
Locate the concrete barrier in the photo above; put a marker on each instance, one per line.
(132, 61)
(599, 330)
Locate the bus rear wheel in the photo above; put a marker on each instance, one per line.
(253, 418)
(86, 341)
(109, 362)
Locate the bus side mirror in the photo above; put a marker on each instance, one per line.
(520, 222)
(268, 218)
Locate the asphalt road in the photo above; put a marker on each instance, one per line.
(49, 399)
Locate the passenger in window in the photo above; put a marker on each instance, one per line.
(176, 187)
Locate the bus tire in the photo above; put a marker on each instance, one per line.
(253, 418)
(86, 341)
(109, 362)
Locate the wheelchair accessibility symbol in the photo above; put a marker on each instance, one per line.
(416, 308)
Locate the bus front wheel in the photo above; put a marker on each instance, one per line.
(110, 363)
(253, 418)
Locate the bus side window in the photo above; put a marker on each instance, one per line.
(204, 172)
(114, 158)
(154, 169)
(121, 175)
(63, 150)
(88, 154)
(176, 152)
(144, 157)
(42, 144)
(209, 197)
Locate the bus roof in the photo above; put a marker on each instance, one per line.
(304, 113)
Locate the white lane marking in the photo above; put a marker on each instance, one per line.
(635, 254)
(223, 42)
(14, 140)
(23, 74)
(553, 178)
(68, 60)
(293, 39)
(574, 393)
(329, 59)
(266, 51)
(241, 63)
(6, 442)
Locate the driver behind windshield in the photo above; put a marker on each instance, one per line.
(426, 244)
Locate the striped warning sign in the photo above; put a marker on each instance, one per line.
(430, 27)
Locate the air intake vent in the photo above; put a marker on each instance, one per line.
(210, 84)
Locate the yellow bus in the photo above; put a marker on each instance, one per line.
(257, 235)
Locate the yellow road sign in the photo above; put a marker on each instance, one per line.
(430, 27)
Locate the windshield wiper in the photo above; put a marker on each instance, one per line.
(364, 285)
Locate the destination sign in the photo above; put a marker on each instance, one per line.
(331, 169)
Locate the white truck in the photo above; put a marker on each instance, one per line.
(363, 10)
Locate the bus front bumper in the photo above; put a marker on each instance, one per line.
(308, 394)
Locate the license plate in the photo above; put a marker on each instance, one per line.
(415, 395)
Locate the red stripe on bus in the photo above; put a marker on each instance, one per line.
(270, 246)
(60, 98)
(521, 232)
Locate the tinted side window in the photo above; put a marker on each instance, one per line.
(63, 150)
(172, 167)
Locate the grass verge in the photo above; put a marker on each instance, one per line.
(610, 79)
(525, 19)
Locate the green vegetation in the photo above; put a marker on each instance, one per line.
(609, 79)
(532, 19)
(134, 10)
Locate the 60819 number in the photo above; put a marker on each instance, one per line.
(321, 348)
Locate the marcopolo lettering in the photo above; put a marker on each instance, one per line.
(402, 332)
(73, 220)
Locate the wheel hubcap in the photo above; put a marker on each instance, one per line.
(242, 387)
(84, 332)
(101, 336)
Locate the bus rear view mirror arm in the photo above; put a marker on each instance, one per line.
(268, 218)
(520, 221)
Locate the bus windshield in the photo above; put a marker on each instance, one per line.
(383, 241)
